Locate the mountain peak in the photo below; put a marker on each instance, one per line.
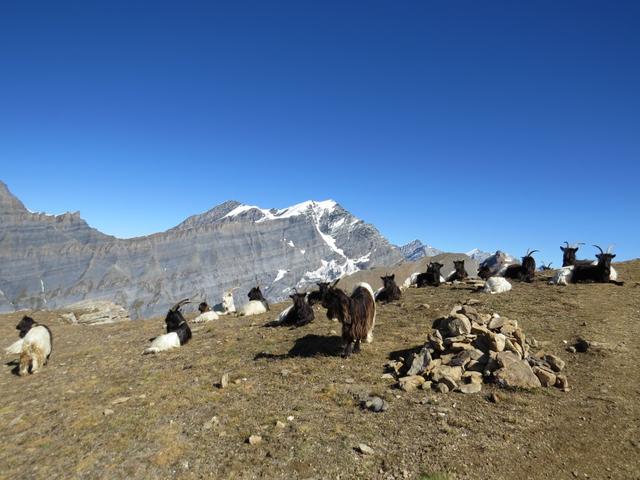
(9, 203)
(415, 250)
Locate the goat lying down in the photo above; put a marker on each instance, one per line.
(257, 303)
(34, 346)
(227, 306)
(357, 314)
(178, 331)
(298, 314)
(206, 314)
(390, 291)
(599, 271)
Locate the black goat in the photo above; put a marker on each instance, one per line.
(390, 291)
(600, 273)
(569, 255)
(528, 268)
(25, 325)
(204, 307)
(316, 296)
(459, 273)
(431, 277)
(299, 314)
(546, 267)
(176, 322)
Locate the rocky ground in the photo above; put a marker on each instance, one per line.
(100, 409)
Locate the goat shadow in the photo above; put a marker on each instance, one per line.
(404, 353)
(309, 346)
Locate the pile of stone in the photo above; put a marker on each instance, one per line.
(94, 312)
(468, 348)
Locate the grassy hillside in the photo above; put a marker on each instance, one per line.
(165, 415)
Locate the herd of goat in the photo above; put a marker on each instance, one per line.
(356, 312)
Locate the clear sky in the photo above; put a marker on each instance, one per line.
(463, 123)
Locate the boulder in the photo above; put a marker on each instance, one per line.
(410, 383)
(547, 378)
(516, 374)
(555, 362)
(94, 312)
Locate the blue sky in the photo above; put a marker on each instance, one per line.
(463, 123)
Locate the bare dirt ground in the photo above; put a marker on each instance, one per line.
(170, 419)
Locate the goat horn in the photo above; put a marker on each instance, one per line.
(567, 244)
(180, 304)
(609, 248)
(532, 252)
(601, 251)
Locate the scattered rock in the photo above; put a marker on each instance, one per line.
(108, 411)
(419, 362)
(211, 423)
(375, 404)
(449, 382)
(562, 383)
(410, 383)
(224, 381)
(470, 388)
(280, 424)
(547, 378)
(254, 440)
(441, 388)
(494, 398)
(120, 400)
(388, 376)
(365, 449)
(571, 349)
(556, 363)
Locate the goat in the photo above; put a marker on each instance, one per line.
(495, 264)
(23, 326)
(206, 314)
(257, 303)
(546, 267)
(298, 314)
(459, 273)
(410, 280)
(524, 271)
(37, 344)
(390, 292)
(178, 331)
(569, 255)
(495, 285)
(601, 272)
(431, 277)
(227, 305)
(357, 314)
(316, 296)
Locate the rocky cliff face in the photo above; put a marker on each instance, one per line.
(49, 261)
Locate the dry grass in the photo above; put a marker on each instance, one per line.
(166, 427)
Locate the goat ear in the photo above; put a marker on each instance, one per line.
(562, 248)
(393, 276)
(613, 255)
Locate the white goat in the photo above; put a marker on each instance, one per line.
(227, 306)
(497, 285)
(254, 307)
(36, 348)
(206, 317)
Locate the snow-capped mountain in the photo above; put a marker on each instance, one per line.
(415, 250)
(478, 255)
(56, 260)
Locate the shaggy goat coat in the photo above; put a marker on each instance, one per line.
(495, 285)
(390, 292)
(36, 349)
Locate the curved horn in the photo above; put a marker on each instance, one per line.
(567, 244)
(531, 252)
(179, 304)
(601, 251)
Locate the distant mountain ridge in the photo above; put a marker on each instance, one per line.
(51, 261)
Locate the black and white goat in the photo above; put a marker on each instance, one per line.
(298, 314)
(431, 277)
(257, 303)
(206, 314)
(600, 272)
(390, 292)
(524, 271)
(357, 313)
(227, 306)
(34, 346)
(178, 331)
(459, 273)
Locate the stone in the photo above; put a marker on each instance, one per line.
(479, 329)
(494, 398)
(438, 373)
(457, 325)
(571, 349)
(254, 440)
(435, 341)
(484, 318)
(108, 411)
(516, 374)
(460, 346)
(470, 388)
(426, 385)
(496, 322)
(120, 400)
(497, 342)
(441, 388)
(513, 347)
(365, 449)
(555, 362)
(224, 381)
(455, 310)
(504, 359)
(375, 404)
(449, 382)
(472, 377)
(472, 301)
(94, 312)
(388, 376)
(410, 383)
(509, 327)
(419, 362)
(582, 345)
(547, 378)
(562, 383)
(211, 423)
(461, 359)
(280, 425)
